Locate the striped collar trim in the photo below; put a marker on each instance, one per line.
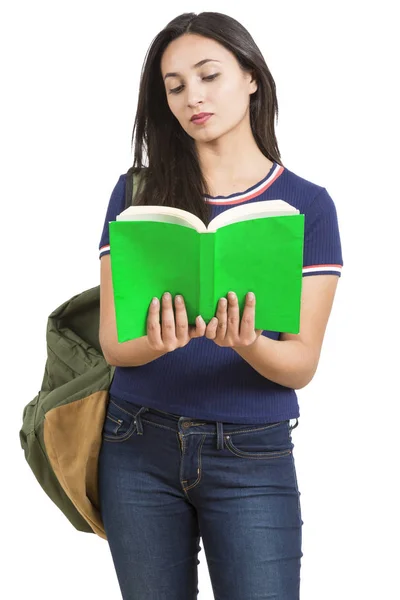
(256, 190)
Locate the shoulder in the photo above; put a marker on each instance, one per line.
(116, 202)
(302, 193)
(120, 185)
(117, 199)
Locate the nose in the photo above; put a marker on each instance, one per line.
(195, 95)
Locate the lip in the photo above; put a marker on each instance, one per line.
(201, 118)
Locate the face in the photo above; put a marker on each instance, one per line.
(218, 86)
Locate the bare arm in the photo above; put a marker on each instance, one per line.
(292, 361)
(134, 353)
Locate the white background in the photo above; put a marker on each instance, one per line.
(70, 75)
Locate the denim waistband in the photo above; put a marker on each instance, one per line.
(180, 421)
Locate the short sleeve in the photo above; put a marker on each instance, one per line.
(322, 253)
(115, 206)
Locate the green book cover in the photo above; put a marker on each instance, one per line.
(247, 248)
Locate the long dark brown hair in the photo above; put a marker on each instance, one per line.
(173, 176)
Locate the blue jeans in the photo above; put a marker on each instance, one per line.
(165, 480)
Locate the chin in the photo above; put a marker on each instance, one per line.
(207, 136)
(203, 134)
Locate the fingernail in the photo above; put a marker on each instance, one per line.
(178, 299)
(167, 295)
(250, 296)
(200, 319)
(232, 295)
(154, 301)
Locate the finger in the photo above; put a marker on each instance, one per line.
(248, 318)
(167, 321)
(199, 329)
(153, 324)
(211, 330)
(181, 320)
(222, 316)
(233, 316)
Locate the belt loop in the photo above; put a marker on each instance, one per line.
(291, 427)
(138, 421)
(220, 436)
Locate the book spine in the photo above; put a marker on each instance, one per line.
(207, 276)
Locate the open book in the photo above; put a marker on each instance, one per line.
(254, 247)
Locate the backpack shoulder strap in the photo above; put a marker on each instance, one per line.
(132, 180)
(128, 188)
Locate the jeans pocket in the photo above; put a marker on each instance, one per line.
(119, 424)
(268, 442)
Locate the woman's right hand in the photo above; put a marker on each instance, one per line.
(173, 332)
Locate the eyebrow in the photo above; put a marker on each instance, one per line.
(199, 64)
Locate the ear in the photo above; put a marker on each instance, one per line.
(253, 83)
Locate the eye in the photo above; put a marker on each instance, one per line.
(176, 90)
(179, 89)
(211, 77)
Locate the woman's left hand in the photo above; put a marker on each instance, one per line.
(226, 331)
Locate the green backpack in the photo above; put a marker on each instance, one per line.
(62, 426)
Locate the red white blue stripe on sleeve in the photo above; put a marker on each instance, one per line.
(104, 250)
(322, 270)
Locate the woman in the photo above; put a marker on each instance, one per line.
(197, 437)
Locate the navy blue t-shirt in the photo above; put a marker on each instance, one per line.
(203, 380)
